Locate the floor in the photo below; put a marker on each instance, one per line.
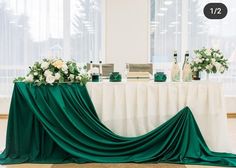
(3, 126)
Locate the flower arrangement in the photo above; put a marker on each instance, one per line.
(50, 71)
(209, 60)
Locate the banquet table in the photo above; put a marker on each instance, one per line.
(59, 124)
(136, 107)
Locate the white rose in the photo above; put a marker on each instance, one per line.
(211, 65)
(196, 60)
(35, 73)
(208, 52)
(219, 55)
(44, 65)
(195, 69)
(222, 69)
(199, 55)
(78, 77)
(47, 73)
(213, 60)
(50, 79)
(57, 76)
(79, 65)
(217, 65)
(199, 60)
(29, 78)
(208, 67)
(66, 72)
(207, 59)
(64, 67)
(83, 71)
(71, 77)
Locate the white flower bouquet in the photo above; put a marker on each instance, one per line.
(209, 60)
(50, 71)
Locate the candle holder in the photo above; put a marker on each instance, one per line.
(160, 77)
(95, 77)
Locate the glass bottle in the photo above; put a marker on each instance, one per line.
(100, 68)
(187, 72)
(175, 70)
(91, 65)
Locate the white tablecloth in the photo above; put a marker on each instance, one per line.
(134, 108)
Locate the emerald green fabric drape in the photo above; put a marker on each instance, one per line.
(58, 124)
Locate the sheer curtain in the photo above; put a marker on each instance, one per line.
(218, 34)
(180, 25)
(34, 29)
(165, 32)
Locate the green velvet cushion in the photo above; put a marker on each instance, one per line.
(160, 77)
(115, 77)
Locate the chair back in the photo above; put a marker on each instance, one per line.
(106, 68)
(140, 68)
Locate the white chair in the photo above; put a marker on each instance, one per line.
(106, 68)
(140, 68)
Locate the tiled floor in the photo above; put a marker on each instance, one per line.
(3, 126)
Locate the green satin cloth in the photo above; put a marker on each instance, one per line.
(58, 124)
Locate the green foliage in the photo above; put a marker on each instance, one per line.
(50, 71)
(209, 60)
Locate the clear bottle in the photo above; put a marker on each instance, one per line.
(100, 68)
(91, 65)
(175, 70)
(187, 72)
(185, 59)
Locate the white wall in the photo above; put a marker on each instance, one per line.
(126, 27)
(230, 104)
(4, 105)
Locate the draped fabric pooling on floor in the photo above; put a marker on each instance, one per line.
(58, 124)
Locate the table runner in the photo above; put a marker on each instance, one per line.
(58, 124)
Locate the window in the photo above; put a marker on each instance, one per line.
(165, 29)
(181, 25)
(217, 34)
(34, 29)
